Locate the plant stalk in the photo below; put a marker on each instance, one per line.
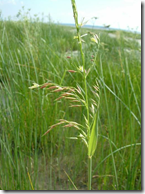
(85, 87)
(89, 173)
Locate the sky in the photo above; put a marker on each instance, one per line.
(122, 14)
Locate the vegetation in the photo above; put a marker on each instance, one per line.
(35, 52)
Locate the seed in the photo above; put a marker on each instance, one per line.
(45, 85)
(77, 105)
(71, 71)
(58, 90)
(52, 87)
(69, 125)
(59, 98)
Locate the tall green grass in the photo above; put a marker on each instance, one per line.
(37, 52)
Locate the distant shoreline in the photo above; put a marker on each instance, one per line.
(99, 27)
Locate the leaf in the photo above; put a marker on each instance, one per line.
(93, 137)
(71, 180)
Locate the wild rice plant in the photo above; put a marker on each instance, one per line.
(25, 158)
(78, 97)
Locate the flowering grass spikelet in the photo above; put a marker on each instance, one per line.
(35, 85)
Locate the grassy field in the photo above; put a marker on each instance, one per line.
(37, 52)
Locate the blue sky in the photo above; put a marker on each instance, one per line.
(117, 13)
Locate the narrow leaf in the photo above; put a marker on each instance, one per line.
(93, 137)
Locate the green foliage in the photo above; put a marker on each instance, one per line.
(36, 52)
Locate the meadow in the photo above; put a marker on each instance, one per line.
(32, 51)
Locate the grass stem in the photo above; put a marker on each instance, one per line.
(89, 173)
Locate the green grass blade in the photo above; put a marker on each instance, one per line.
(137, 144)
(70, 180)
(122, 103)
(93, 137)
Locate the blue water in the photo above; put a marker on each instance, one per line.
(100, 27)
